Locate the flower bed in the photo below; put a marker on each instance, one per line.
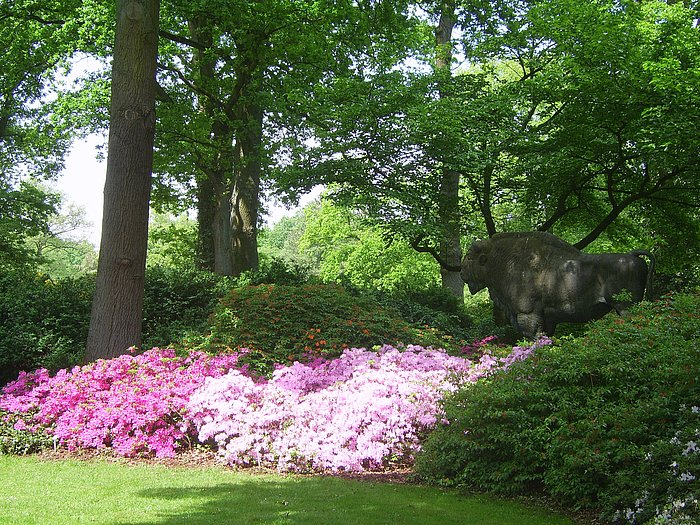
(366, 410)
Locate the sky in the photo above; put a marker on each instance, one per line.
(83, 178)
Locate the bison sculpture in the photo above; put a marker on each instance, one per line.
(538, 280)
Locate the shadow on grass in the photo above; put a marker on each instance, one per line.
(328, 501)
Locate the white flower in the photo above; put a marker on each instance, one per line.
(687, 476)
(691, 446)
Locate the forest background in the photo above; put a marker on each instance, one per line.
(429, 124)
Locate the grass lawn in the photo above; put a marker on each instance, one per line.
(38, 491)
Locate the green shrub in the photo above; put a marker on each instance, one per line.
(43, 323)
(284, 323)
(178, 302)
(274, 270)
(594, 421)
(433, 307)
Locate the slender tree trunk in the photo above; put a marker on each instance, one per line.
(206, 208)
(245, 195)
(223, 254)
(450, 246)
(115, 322)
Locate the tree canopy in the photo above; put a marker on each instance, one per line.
(565, 116)
(572, 117)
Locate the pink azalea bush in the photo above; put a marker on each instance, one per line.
(134, 404)
(364, 410)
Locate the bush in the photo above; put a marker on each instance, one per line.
(593, 421)
(132, 404)
(44, 323)
(282, 324)
(364, 410)
(433, 307)
(178, 302)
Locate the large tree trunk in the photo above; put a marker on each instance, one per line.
(115, 323)
(449, 209)
(229, 192)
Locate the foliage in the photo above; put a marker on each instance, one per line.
(44, 322)
(273, 270)
(282, 241)
(25, 210)
(343, 248)
(433, 308)
(178, 301)
(281, 324)
(351, 251)
(33, 46)
(542, 75)
(172, 241)
(62, 251)
(603, 421)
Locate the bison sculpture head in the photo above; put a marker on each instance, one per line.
(474, 266)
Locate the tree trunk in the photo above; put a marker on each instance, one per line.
(449, 209)
(115, 322)
(223, 255)
(245, 194)
(206, 209)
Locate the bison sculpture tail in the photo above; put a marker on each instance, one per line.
(649, 292)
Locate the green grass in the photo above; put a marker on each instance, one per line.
(36, 491)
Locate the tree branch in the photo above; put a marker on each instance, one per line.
(424, 248)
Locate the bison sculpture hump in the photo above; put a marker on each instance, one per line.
(538, 280)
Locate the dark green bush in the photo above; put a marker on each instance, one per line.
(433, 307)
(274, 270)
(43, 323)
(285, 323)
(594, 421)
(179, 301)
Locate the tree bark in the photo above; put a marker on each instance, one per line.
(245, 194)
(116, 318)
(449, 209)
(206, 208)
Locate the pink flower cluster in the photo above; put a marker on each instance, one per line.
(364, 410)
(134, 404)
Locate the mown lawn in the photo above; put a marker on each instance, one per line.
(64, 492)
